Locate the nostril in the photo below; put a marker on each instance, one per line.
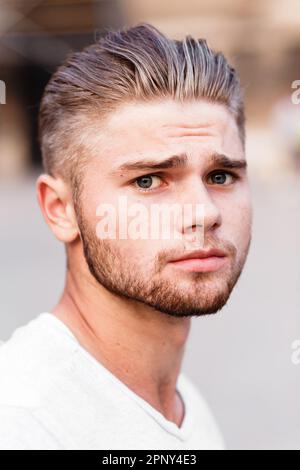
(194, 228)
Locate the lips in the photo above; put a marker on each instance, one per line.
(201, 261)
(202, 254)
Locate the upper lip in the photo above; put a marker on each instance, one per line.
(202, 254)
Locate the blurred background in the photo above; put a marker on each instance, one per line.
(240, 358)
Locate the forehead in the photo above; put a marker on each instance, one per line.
(158, 128)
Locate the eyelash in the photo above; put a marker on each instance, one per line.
(143, 176)
(233, 175)
(230, 173)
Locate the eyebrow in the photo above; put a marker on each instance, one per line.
(179, 161)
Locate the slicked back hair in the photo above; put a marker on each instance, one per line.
(135, 64)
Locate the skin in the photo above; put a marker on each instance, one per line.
(123, 299)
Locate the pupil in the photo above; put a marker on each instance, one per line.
(145, 181)
(220, 178)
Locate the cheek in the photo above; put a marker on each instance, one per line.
(237, 220)
(100, 207)
(139, 251)
(134, 256)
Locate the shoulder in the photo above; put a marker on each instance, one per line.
(34, 355)
(20, 430)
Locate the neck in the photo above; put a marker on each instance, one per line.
(140, 345)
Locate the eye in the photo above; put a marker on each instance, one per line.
(147, 183)
(222, 178)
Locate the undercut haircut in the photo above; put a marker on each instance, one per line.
(137, 64)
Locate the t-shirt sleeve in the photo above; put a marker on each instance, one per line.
(20, 430)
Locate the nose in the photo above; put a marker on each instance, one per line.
(203, 214)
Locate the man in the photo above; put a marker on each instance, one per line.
(139, 118)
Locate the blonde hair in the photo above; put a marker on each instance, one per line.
(135, 64)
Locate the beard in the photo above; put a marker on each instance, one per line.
(176, 294)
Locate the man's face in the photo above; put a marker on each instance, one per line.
(144, 269)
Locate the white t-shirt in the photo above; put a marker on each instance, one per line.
(55, 395)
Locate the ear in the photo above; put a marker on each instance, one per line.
(57, 207)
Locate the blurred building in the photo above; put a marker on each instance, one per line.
(35, 36)
(261, 38)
